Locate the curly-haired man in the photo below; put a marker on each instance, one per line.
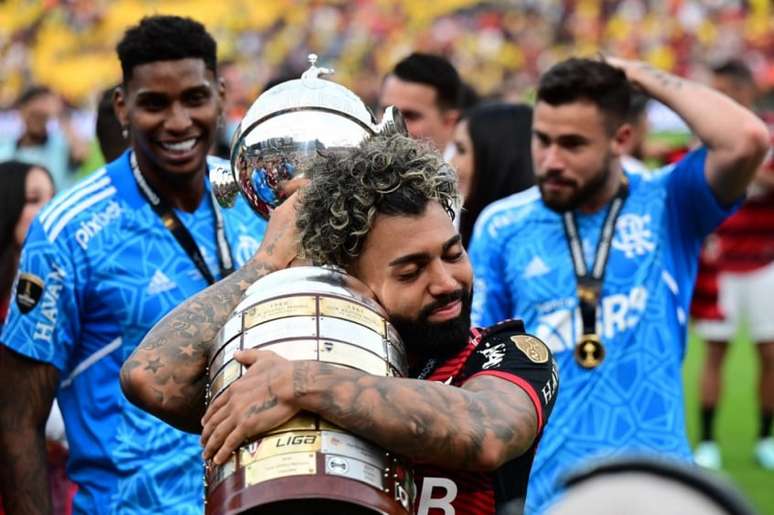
(473, 412)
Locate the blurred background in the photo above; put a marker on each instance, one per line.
(500, 48)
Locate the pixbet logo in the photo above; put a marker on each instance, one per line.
(91, 227)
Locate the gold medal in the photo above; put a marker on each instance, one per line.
(589, 351)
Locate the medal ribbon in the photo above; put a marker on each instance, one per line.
(589, 284)
(181, 233)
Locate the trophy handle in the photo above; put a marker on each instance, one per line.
(392, 122)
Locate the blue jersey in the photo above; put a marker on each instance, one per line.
(633, 401)
(97, 271)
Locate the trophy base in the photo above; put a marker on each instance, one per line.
(311, 507)
(309, 495)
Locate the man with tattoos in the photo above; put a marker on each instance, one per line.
(600, 262)
(472, 413)
(101, 264)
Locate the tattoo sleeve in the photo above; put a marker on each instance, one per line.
(166, 374)
(24, 408)
(478, 427)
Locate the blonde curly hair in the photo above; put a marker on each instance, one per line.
(391, 175)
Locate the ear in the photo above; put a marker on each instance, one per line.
(221, 87)
(450, 118)
(120, 105)
(620, 140)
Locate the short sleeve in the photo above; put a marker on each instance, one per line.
(507, 352)
(43, 318)
(692, 205)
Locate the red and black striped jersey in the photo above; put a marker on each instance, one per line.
(507, 352)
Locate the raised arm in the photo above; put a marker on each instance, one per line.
(25, 402)
(480, 426)
(735, 138)
(166, 373)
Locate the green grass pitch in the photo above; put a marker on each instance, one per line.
(736, 427)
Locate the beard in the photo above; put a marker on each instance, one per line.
(581, 194)
(438, 340)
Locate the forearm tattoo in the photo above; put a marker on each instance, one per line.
(174, 353)
(425, 420)
(667, 80)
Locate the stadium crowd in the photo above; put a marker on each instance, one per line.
(491, 87)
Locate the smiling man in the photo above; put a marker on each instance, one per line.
(472, 413)
(102, 263)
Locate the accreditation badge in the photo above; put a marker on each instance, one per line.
(589, 351)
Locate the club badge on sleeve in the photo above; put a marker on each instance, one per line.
(535, 350)
(29, 289)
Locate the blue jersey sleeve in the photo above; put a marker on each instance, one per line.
(43, 321)
(491, 302)
(693, 208)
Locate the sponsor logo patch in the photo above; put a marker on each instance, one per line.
(533, 348)
(29, 289)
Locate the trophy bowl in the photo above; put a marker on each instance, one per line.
(309, 465)
(286, 127)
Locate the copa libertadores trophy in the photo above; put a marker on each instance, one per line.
(306, 466)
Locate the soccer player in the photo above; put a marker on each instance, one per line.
(600, 262)
(427, 90)
(734, 283)
(101, 264)
(472, 415)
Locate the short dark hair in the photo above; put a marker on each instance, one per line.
(390, 174)
(434, 71)
(594, 81)
(32, 93)
(736, 69)
(165, 38)
(637, 106)
(108, 129)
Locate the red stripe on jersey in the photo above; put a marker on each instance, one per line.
(746, 238)
(521, 383)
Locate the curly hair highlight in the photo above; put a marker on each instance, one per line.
(391, 175)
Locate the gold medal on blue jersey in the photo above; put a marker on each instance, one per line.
(589, 351)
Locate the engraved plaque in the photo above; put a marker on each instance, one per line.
(352, 356)
(282, 443)
(354, 469)
(301, 305)
(227, 375)
(346, 331)
(225, 355)
(347, 310)
(344, 444)
(226, 336)
(282, 329)
(294, 349)
(283, 465)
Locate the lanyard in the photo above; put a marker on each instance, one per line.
(181, 233)
(590, 282)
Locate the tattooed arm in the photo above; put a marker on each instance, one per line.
(477, 427)
(735, 138)
(166, 373)
(25, 402)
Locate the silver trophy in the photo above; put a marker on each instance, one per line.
(307, 465)
(285, 128)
